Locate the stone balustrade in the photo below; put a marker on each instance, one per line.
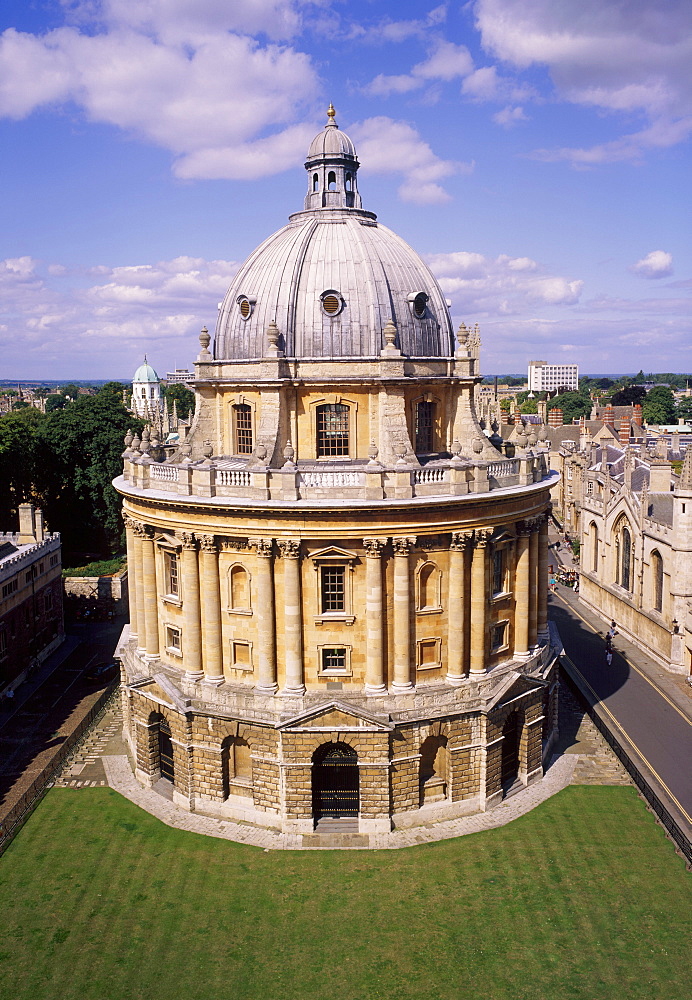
(456, 477)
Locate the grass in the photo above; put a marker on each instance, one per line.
(103, 567)
(582, 899)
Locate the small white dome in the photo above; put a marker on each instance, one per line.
(145, 373)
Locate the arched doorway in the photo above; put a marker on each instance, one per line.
(511, 734)
(165, 751)
(335, 790)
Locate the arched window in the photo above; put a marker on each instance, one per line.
(349, 182)
(428, 587)
(238, 588)
(623, 556)
(433, 769)
(332, 430)
(657, 581)
(593, 546)
(315, 182)
(425, 419)
(236, 764)
(331, 181)
(242, 429)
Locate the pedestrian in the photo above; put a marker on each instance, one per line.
(609, 656)
(553, 583)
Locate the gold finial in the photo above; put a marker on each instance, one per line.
(331, 114)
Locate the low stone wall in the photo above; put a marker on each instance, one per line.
(107, 593)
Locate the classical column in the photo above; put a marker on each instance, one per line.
(131, 574)
(522, 584)
(457, 611)
(374, 670)
(533, 585)
(210, 617)
(402, 615)
(192, 624)
(479, 603)
(140, 622)
(151, 611)
(266, 629)
(542, 616)
(293, 618)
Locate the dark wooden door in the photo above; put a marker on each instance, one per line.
(335, 782)
(165, 751)
(510, 750)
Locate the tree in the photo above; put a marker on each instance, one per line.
(659, 406)
(573, 405)
(529, 406)
(184, 399)
(71, 390)
(630, 394)
(54, 402)
(685, 408)
(20, 404)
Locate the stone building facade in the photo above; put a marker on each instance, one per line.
(31, 608)
(339, 583)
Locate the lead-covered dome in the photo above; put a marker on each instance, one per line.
(333, 277)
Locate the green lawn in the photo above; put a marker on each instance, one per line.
(582, 899)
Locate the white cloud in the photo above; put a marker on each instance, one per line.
(510, 116)
(445, 62)
(657, 264)
(629, 57)
(387, 145)
(500, 286)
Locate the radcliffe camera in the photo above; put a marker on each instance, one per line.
(345, 501)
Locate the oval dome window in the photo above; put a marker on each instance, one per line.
(245, 305)
(420, 304)
(332, 303)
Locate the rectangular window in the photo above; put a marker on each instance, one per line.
(332, 430)
(428, 654)
(243, 428)
(10, 588)
(48, 600)
(497, 636)
(498, 571)
(54, 560)
(173, 638)
(334, 659)
(241, 655)
(589, 487)
(3, 642)
(425, 412)
(333, 580)
(172, 585)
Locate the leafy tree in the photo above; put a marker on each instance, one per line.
(184, 398)
(630, 394)
(659, 406)
(54, 402)
(529, 406)
(19, 462)
(573, 405)
(685, 408)
(71, 390)
(20, 404)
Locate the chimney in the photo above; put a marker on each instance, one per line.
(659, 475)
(608, 415)
(555, 417)
(543, 410)
(27, 524)
(624, 434)
(637, 414)
(40, 527)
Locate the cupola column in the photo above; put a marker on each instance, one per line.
(533, 586)
(293, 618)
(131, 574)
(522, 586)
(457, 610)
(212, 642)
(374, 671)
(402, 615)
(542, 617)
(192, 625)
(151, 609)
(265, 615)
(479, 603)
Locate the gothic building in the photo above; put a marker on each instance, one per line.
(338, 587)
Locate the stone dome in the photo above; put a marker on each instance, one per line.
(333, 277)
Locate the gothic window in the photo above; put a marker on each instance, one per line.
(242, 420)
(332, 589)
(593, 545)
(239, 589)
(332, 430)
(623, 556)
(425, 415)
(429, 579)
(657, 581)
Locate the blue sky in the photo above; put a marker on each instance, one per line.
(536, 153)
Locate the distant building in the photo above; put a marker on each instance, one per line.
(31, 615)
(146, 392)
(180, 375)
(552, 378)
